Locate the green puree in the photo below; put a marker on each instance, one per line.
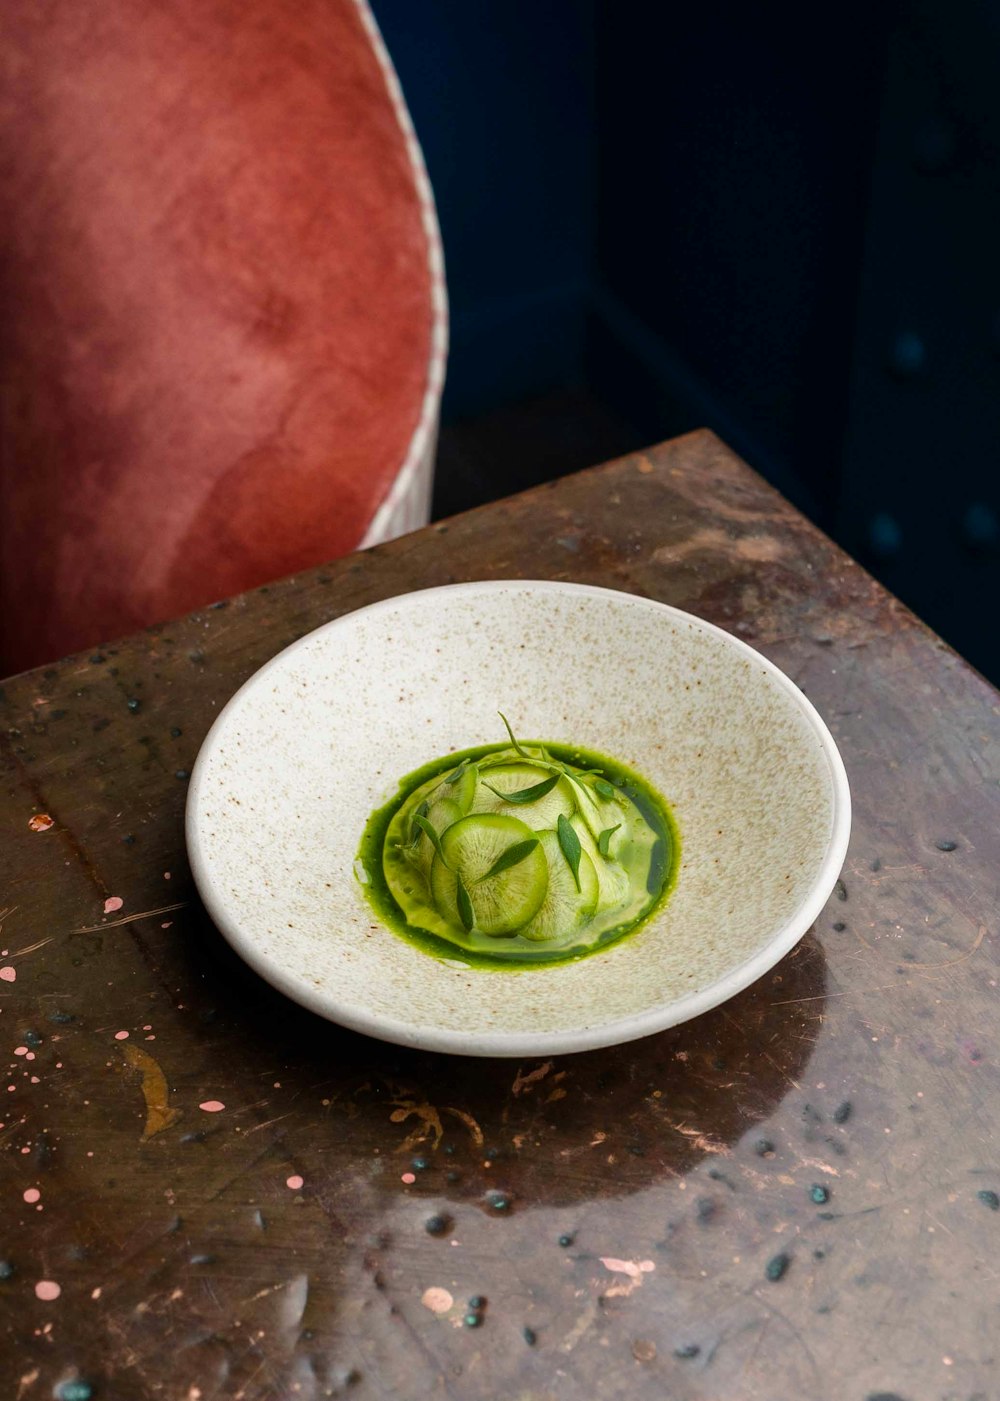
(527, 854)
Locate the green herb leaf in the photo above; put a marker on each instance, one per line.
(465, 912)
(569, 842)
(428, 830)
(604, 788)
(453, 778)
(526, 795)
(604, 840)
(513, 740)
(513, 856)
(420, 811)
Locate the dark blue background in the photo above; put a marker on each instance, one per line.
(776, 221)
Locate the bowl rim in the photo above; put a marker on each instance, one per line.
(592, 1036)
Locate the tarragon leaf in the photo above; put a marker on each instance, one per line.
(420, 811)
(569, 843)
(513, 740)
(526, 795)
(513, 856)
(429, 832)
(453, 778)
(465, 912)
(604, 788)
(604, 840)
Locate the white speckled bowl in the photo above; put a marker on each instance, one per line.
(320, 736)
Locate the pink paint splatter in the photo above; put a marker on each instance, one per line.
(32, 1194)
(41, 822)
(20, 1050)
(48, 1290)
(121, 1035)
(34, 1080)
(30, 1056)
(295, 1182)
(166, 875)
(212, 1106)
(112, 903)
(634, 1268)
(408, 1178)
(8, 974)
(436, 1299)
(148, 1026)
(167, 924)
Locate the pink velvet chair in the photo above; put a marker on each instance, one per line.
(224, 325)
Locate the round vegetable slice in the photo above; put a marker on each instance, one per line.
(503, 892)
(448, 801)
(537, 798)
(459, 787)
(596, 811)
(442, 813)
(612, 880)
(564, 909)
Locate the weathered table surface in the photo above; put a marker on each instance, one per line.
(792, 1196)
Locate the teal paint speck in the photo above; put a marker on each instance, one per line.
(777, 1266)
(77, 1390)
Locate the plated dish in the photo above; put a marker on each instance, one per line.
(319, 739)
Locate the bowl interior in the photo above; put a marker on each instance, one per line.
(303, 753)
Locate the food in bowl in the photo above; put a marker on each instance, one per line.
(519, 853)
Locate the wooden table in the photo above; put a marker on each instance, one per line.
(795, 1196)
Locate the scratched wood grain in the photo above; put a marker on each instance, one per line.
(790, 1197)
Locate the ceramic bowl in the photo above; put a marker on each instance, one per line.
(321, 735)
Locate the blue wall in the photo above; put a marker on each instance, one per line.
(502, 96)
(777, 222)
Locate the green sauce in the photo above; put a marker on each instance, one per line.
(619, 882)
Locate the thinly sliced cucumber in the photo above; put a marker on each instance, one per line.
(472, 847)
(446, 803)
(449, 800)
(442, 813)
(564, 909)
(613, 881)
(597, 812)
(515, 778)
(459, 787)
